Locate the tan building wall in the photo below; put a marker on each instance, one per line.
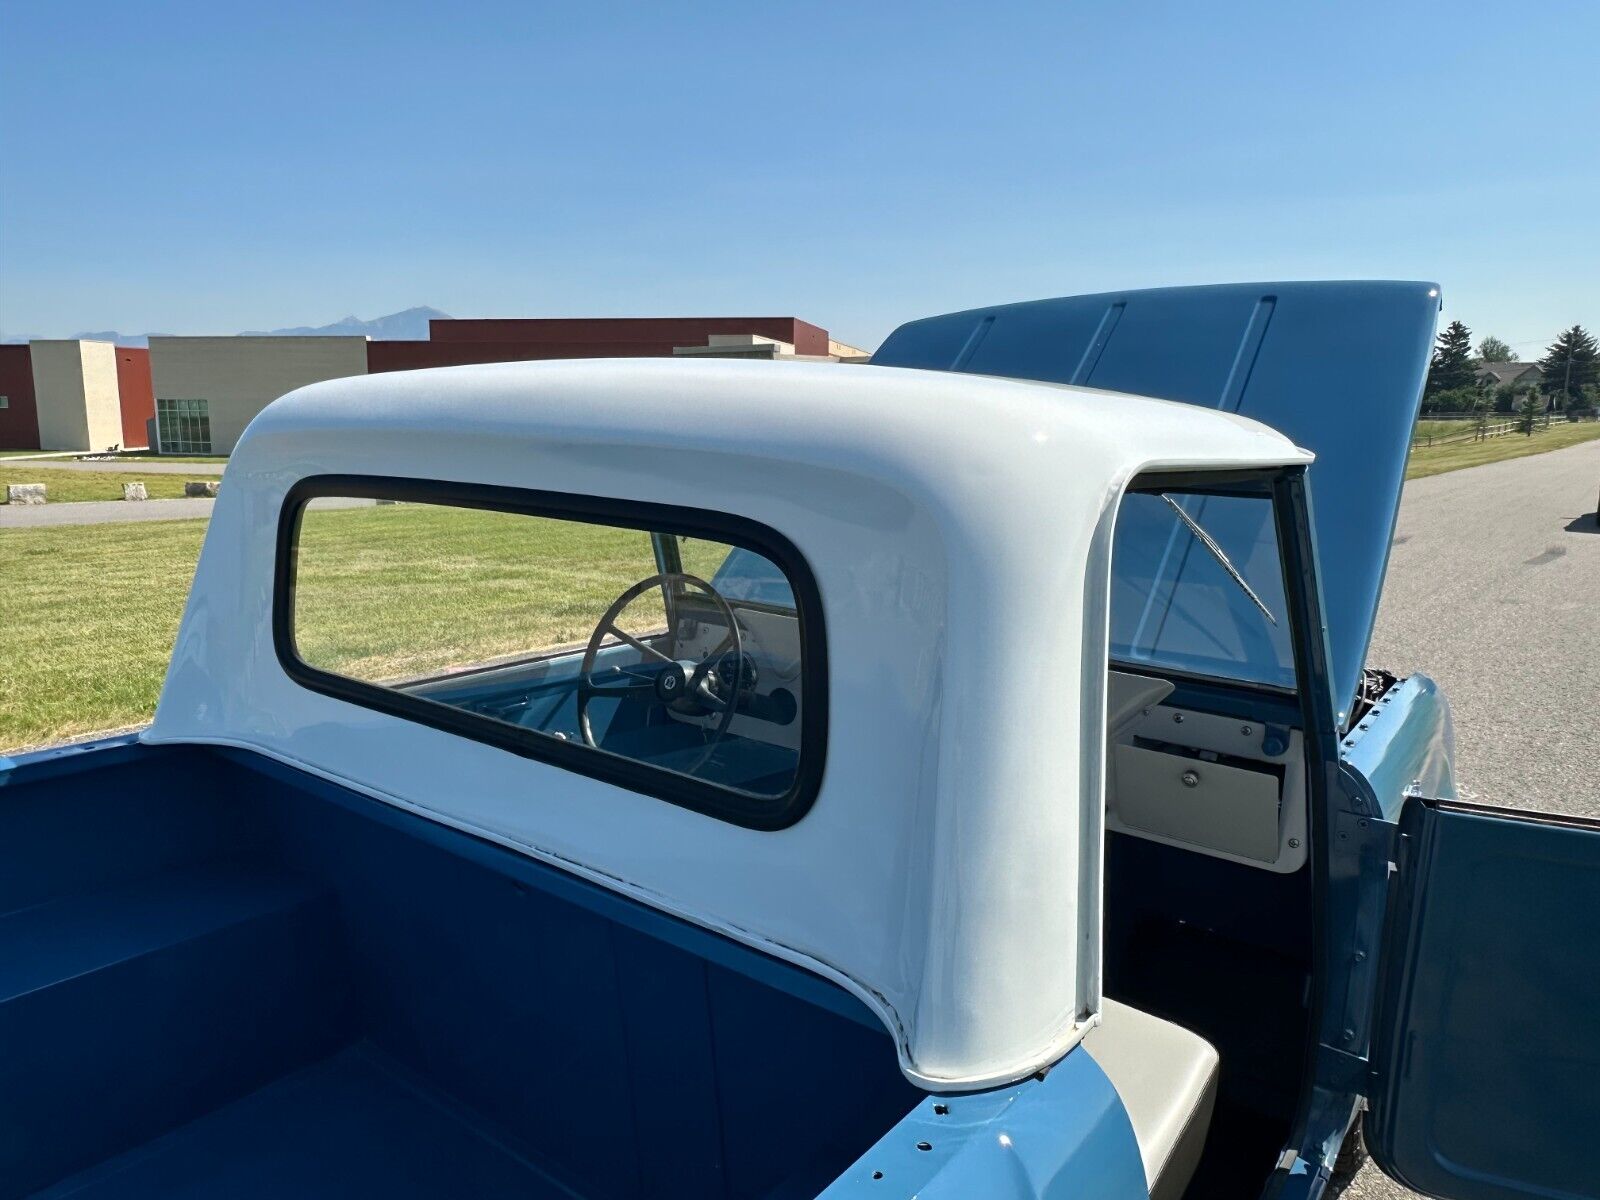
(239, 376)
(75, 386)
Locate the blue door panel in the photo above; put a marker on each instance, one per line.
(1486, 1060)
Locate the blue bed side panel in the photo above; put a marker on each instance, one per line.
(202, 952)
(1338, 367)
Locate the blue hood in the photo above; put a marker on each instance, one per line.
(1337, 367)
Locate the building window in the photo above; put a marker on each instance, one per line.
(5, 401)
(183, 426)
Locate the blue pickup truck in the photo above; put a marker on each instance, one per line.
(958, 776)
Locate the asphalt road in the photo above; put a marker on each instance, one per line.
(1494, 591)
(110, 512)
(124, 466)
(101, 512)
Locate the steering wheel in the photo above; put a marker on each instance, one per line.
(686, 687)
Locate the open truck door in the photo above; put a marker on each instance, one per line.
(1485, 1067)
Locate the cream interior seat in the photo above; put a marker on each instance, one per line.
(1167, 1078)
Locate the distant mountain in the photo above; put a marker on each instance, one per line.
(410, 325)
(111, 335)
(102, 335)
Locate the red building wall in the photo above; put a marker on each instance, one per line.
(137, 396)
(19, 420)
(652, 335)
(516, 339)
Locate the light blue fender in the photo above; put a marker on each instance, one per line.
(1066, 1134)
(1403, 746)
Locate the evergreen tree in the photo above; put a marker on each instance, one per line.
(1529, 411)
(1481, 408)
(1492, 350)
(1452, 367)
(1570, 365)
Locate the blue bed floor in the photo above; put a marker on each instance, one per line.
(349, 1126)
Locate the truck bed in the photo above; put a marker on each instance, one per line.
(221, 977)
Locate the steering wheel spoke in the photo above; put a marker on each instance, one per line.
(687, 689)
(706, 696)
(642, 647)
(625, 691)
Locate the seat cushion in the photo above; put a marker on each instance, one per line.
(1167, 1078)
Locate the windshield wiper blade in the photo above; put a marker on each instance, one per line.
(1210, 543)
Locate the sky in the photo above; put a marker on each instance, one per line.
(207, 168)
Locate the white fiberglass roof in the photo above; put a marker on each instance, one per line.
(959, 531)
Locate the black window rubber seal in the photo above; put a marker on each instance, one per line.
(726, 804)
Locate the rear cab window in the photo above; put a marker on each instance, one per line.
(672, 651)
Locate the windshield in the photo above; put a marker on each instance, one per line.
(1173, 602)
(738, 575)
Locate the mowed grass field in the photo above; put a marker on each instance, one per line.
(91, 612)
(87, 618)
(69, 487)
(406, 590)
(1436, 460)
(1432, 428)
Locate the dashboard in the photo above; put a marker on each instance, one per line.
(1222, 786)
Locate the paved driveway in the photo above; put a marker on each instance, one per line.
(101, 512)
(110, 512)
(193, 470)
(1494, 591)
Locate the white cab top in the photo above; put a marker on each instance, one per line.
(959, 530)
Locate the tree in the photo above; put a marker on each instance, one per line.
(1571, 364)
(1481, 409)
(1452, 367)
(1456, 400)
(1492, 350)
(1528, 412)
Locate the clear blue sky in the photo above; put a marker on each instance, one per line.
(213, 167)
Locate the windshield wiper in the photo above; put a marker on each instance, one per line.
(1210, 543)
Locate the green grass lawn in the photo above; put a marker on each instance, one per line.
(92, 611)
(1427, 427)
(1435, 460)
(90, 615)
(68, 487)
(389, 592)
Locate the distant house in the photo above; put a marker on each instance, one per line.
(1520, 375)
